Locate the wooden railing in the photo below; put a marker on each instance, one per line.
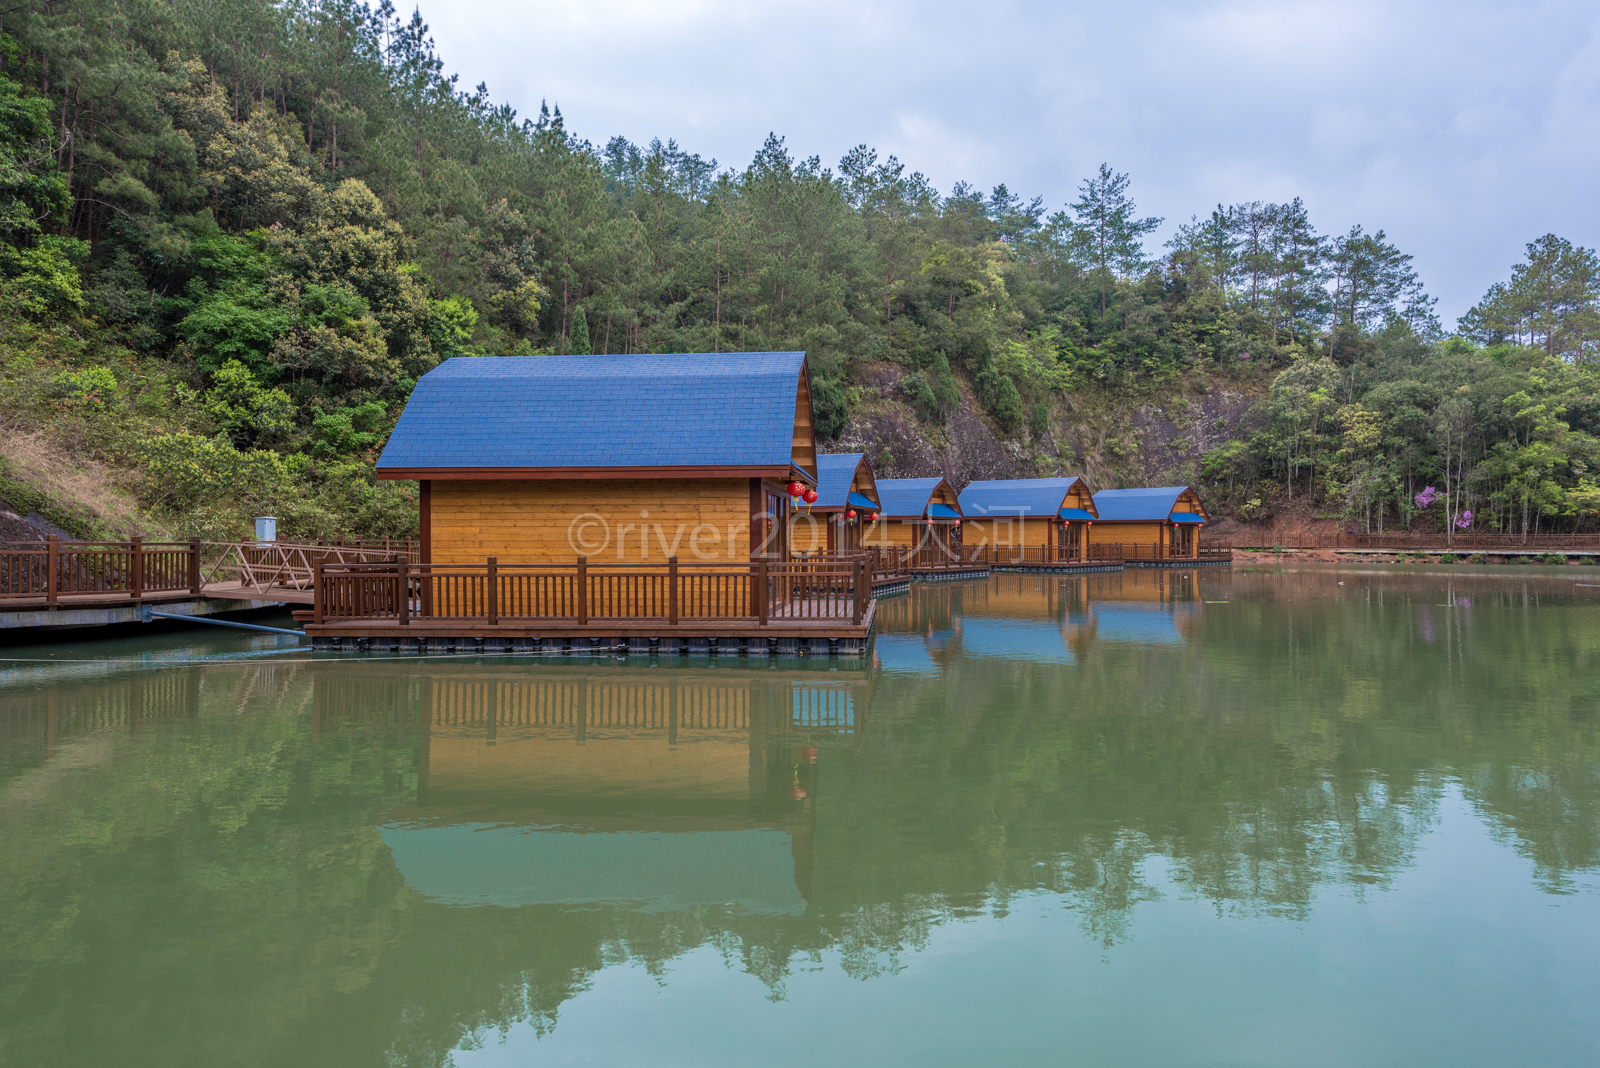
(1512, 544)
(288, 565)
(54, 568)
(1160, 551)
(1055, 555)
(584, 594)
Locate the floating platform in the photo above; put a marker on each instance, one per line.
(71, 611)
(1059, 569)
(1181, 561)
(565, 637)
(951, 575)
(589, 645)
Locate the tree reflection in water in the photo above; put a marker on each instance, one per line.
(268, 864)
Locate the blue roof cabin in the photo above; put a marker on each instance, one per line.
(916, 512)
(1159, 522)
(846, 495)
(542, 459)
(1024, 520)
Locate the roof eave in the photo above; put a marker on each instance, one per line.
(785, 471)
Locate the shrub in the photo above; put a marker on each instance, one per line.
(831, 406)
(185, 470)
(1552, 558)
(347, 431)
(1039, 421)
(1000, 396)
(44, 280)
(91, 389)
(242, 409)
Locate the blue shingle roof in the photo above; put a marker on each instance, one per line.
(1151, 505)
(835, 472)
(902, 497)
(1016, 496)
(689, 409)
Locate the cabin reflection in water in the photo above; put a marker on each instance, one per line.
(654, 791)
(1039, 618)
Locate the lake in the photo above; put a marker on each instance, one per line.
(1261, 816)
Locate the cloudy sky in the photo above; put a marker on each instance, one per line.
(1463, 129)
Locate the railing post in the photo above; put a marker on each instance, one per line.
(53, 562)
(404, 605)
(194, 566)
(583, 591)
(763, 601)
(856, 592)
(492, 593)
(672, 591)
(136, 586)
(316, 592)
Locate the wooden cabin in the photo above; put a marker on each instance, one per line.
(846, 496)
(542, 459)
(1167, 518)
(917, 512)
(1014, 514)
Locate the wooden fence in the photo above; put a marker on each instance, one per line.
(1509, 544)
(832, 590)
(52, 569)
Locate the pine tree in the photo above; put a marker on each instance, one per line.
(578, 342)
(1107, 231)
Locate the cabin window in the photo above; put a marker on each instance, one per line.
(776, 544)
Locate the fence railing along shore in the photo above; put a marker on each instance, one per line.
(584, 593)
(1509, 544)
(56, 568)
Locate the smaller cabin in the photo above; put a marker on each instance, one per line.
(1162, 521)
(847, 495)
(1012, 516)
(917, 513)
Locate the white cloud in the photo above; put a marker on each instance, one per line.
(1462, 129)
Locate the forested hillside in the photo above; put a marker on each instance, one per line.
(234, 233)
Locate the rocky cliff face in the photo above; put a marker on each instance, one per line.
(1112, 441)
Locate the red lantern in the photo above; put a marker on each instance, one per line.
(810, 495)
(810, 753)
(850, 515)
(873, 518)
(797, 792)
(955, 522)
(795, 489)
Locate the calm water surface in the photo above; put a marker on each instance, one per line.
(1260, 817)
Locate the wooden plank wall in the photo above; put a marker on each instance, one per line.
(1005, 531)
(1105, 533)
(809, 530)
(538, 521)
(897, 532)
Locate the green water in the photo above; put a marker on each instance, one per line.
(1259, 817)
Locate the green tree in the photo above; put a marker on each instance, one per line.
(578, 342)
(1107, 230)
